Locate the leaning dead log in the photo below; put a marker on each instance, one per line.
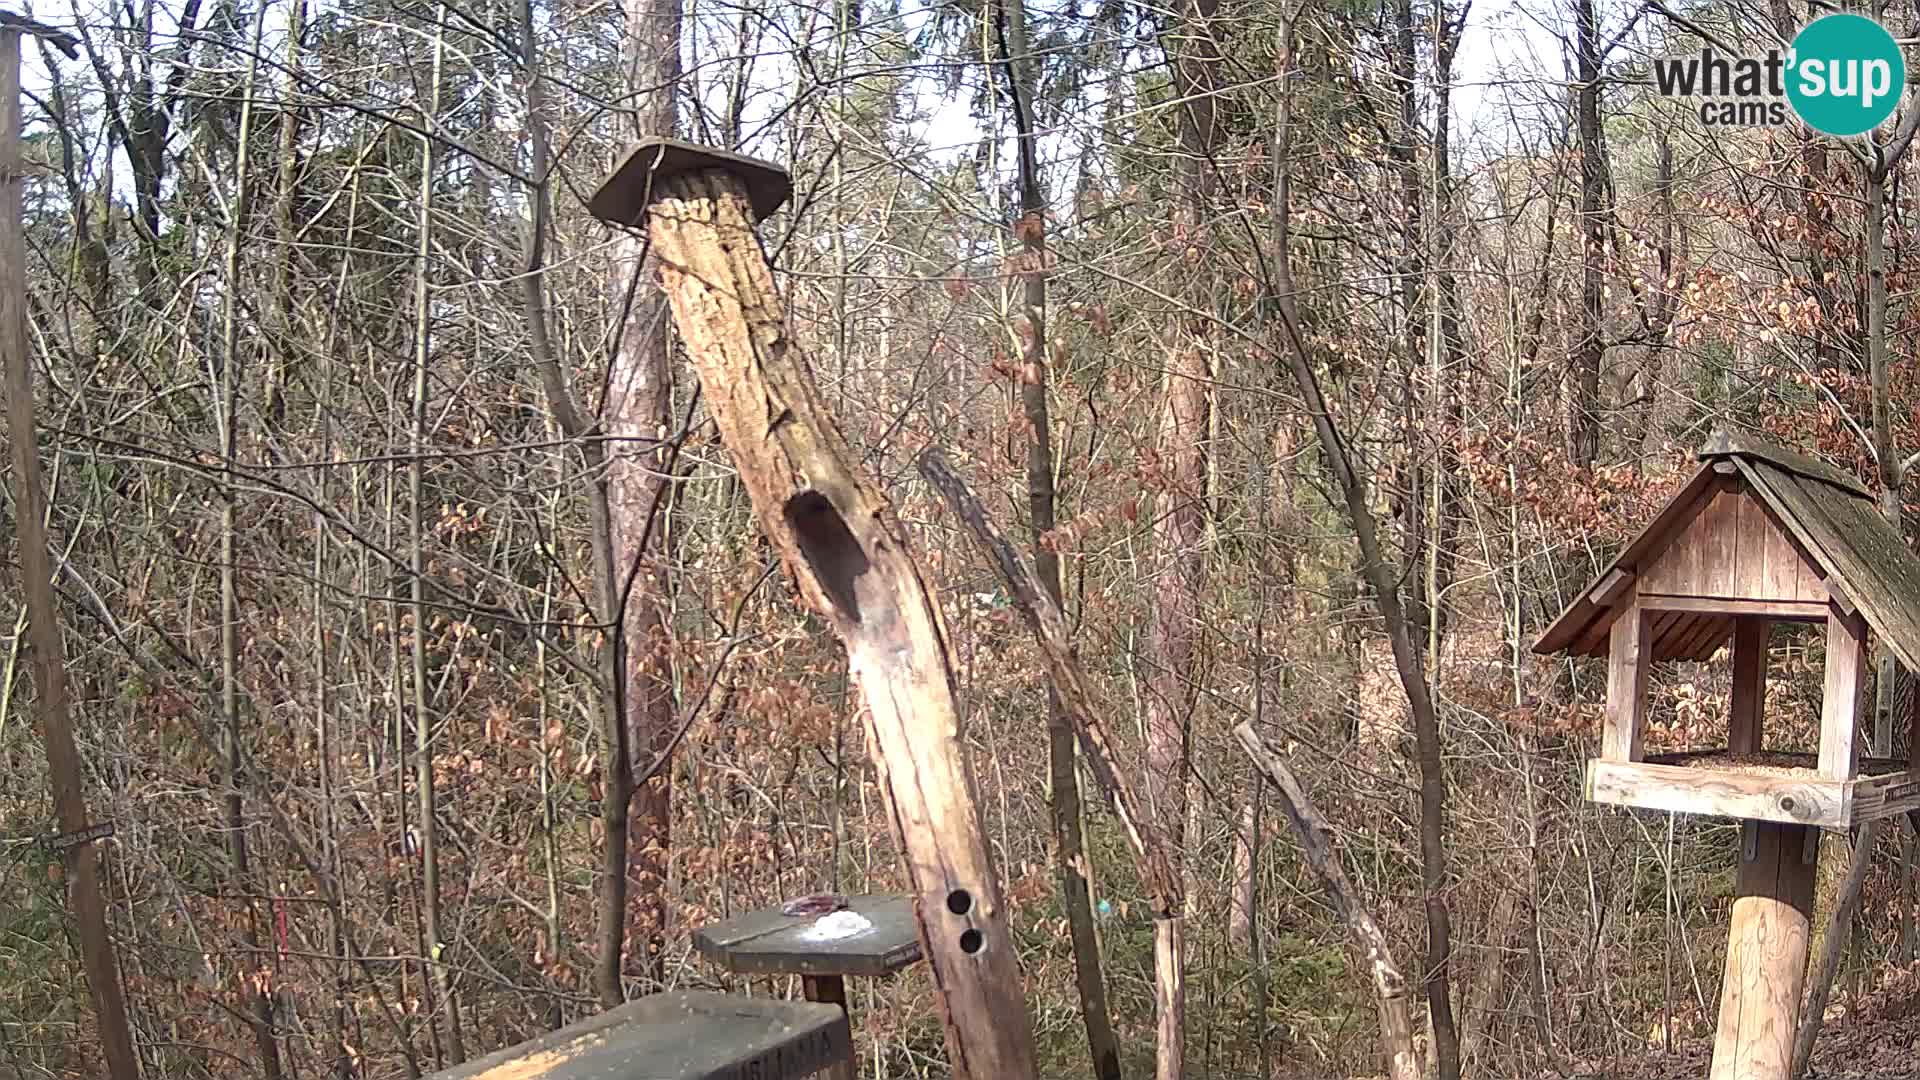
(1316, 843)
(850, 558)
(1148, 841)
(1049, 628)
(1826, 965)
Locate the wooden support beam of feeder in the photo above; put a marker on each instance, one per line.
(1766, 955)
(1621, 739)
(1840, 700)
(851, 560)
(1750, 635)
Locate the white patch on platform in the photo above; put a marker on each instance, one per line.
(840, 924)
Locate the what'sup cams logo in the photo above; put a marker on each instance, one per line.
(1843, 76)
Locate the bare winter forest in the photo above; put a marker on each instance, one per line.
(428, 659)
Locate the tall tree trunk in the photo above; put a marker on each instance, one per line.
(48, 651)
(1069, 855)
(256, 979)
(639, 407)
(423, 711)
(610, 901)
(1411, 282)
(1180, 515)
(1381, 576)
(1444, 343)
(285, 187)
(1583, 401)
(1886, 454)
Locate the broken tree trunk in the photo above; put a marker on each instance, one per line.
(849, 555)
(1316, 843)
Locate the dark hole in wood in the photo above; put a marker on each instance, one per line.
(971, 941)
(829, 547)
(959, 901)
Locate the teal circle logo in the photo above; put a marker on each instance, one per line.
(1846, 74)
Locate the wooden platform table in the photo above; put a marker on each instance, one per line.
(770, 942)
(685, 1035)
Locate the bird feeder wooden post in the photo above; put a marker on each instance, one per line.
(850, 557)
(1757, 535)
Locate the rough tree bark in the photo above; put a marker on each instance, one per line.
(1444, 337)
(1411, 263)
(639, 415)
(1180, 513)
(1583, 361)
(848, 552)
(1063, 789)
(286, 187)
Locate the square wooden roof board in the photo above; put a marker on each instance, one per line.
(766, 942)
(688, 1035)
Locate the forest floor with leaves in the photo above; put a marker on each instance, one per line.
(1872, 1036)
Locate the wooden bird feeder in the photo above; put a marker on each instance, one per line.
(1757, 535)
(771, 942)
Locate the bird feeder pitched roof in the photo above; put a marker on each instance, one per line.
(1802, 531)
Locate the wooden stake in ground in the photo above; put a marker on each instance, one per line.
(849, 555)
(36, 576)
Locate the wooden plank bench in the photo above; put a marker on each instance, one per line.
(685, 1035)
